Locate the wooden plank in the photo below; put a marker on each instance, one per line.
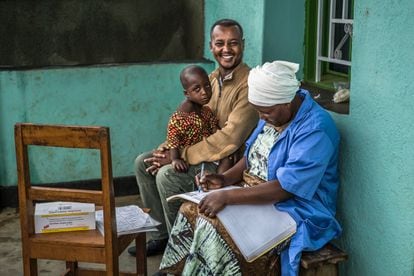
(64, 194)
(323, 270)
(141, 255)
(70, 253)
(125, 240)
(96, 272)
(63, 136)
(327, 254)
(88, 238)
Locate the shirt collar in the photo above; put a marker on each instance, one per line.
(306, 105)
(230, 76)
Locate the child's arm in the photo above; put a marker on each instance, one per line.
(178, 164)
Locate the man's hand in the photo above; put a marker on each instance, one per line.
(160, 157)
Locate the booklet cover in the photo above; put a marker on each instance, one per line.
(59, 216)
(255, 228)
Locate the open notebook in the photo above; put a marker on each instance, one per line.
(255, 229)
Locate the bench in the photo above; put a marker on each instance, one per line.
(322, 262)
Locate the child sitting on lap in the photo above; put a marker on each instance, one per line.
(192, 120)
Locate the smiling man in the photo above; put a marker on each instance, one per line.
(155, 176)
(229, 100)
(227, 45)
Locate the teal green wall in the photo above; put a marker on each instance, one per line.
(250, 14)
(377, 176)
(284, 27)
(133, 100)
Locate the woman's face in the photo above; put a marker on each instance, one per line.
(276, 115)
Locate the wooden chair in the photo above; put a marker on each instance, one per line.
(79, 246)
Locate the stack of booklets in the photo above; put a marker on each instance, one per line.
(129, 220)
(255, 229)
(61, 216)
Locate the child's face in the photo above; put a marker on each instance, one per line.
(198, 88)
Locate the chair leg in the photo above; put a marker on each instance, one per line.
(30, 267)
(71, 268)
(141, 254)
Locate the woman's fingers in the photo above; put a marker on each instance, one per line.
(208, 211)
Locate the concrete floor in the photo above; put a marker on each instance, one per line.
(10, 247)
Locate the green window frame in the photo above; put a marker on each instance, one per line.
(322, 67)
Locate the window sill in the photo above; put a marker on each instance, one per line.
(324, 96)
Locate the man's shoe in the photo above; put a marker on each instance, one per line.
(132, 251)
(154, 247)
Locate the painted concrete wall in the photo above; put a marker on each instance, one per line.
(377, 196)
(135, 101)
(284, 28)
(250, 14)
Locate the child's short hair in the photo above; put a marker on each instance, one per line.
(191, 69)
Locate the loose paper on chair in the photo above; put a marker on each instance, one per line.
(129, 219)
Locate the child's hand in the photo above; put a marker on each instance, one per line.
(179, 165)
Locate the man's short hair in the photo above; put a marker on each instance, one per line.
(227, 23)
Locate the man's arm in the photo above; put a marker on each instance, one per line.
(241, 121)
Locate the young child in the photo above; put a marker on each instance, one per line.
(192, 120)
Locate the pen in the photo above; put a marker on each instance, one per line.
(201, 175)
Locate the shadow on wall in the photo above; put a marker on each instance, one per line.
(77, 32)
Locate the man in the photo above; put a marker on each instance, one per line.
(156, 178)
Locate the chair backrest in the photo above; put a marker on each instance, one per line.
(82, 137)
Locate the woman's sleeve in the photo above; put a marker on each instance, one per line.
(307, 161)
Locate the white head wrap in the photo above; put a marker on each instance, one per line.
(273, 83)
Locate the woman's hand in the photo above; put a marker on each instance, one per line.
(210, 181)
(213, 203)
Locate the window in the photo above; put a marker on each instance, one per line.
(329, 25)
